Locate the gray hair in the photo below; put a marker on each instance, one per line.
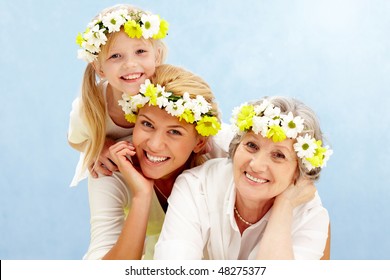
(297, 108)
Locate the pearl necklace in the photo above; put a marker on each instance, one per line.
(241, 218)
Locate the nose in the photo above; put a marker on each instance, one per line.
(259, 162)
(130, 62)
(156, 142)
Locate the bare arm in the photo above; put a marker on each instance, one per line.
(130, 242)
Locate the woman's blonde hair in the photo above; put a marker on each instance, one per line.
(311, 127)
(178, 81)
(93, 102)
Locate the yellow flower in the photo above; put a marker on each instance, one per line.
(318, 159)
(151, 92)
(163, 31)
(132, 29)
(245, 117)
(131, 118)
(276, 133)
(79, 39)
(208, 126)
(188, 116)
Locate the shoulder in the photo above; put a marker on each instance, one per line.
(211, 178)
(211, 168)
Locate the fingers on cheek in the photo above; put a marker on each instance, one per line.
(125, 152)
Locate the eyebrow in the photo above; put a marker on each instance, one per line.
(169, 126)
(284, 148)
(280, 147)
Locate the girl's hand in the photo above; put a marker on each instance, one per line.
(301, 192)
(121, 154)
(105, 164)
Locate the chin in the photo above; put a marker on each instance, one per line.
(151, 174)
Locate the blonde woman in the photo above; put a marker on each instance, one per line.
(175, 118)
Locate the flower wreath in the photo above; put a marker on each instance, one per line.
(136, 24)
(267, 120)
(192, 110)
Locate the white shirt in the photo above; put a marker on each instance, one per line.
(200, 223)
(78, 132)
(109, 201)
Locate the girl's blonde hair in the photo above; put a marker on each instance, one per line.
(178, 81)
(93, 102)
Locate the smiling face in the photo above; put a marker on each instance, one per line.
(163, 143)
(262, 168)
(127, 63)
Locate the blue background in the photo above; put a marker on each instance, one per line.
(333, 54)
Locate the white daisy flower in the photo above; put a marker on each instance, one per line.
(113, 21)
(271, 111)
(236, 111)
(144, 86)
(162, 91)
(305, 146)
(151, 25)
(307, 164)
(94, 22)
(96, 36)
(235, 129)
(202, 104)
(124, 13)
(327, 155)
(175, 108)
(162, 101)
(85, 55)
(89, 48)
(186, 97)
(138, 101)
(125, 103)
(261, 108)
(292, 126)
(260, 125)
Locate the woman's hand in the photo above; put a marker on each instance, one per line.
(300, 192)
(105, 164)
(121, 154)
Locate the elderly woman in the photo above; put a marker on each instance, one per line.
(261, 202)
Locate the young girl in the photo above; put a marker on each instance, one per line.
(122, 46)
(175, 117)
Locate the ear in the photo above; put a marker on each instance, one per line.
(297, 175)
(158, 57)
(98, 69)
(201, 143)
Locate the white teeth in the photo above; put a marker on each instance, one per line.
(257, 180)
(132, 76)
(155, 159)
